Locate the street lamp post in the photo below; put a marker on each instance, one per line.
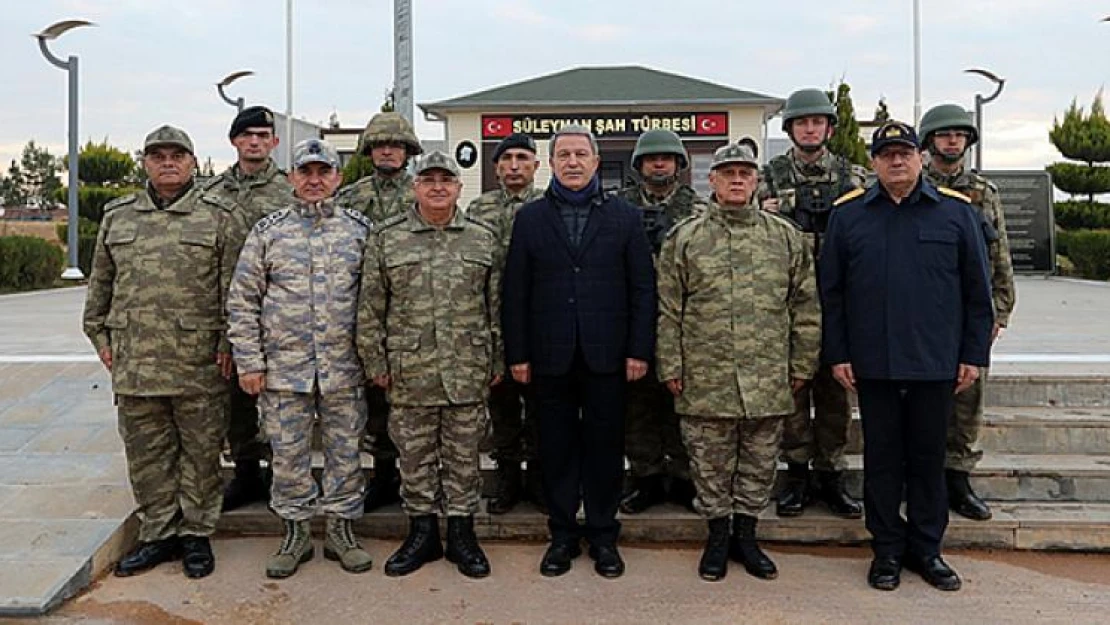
(980, 100)
(72, 272)
(230, 78)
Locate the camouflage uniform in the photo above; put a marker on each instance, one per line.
(256, 195)
(428, 316)
(292, 310)
(738, 321)
(156, 297)
(967, 414)
(806, 193)
(515, 432)
(653, 442)
(379, 198)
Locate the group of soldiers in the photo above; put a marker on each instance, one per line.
(252, 304)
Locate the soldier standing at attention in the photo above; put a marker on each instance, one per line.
(155, 314)
(653, 442)
(428, 333)
(514, 438)
(802, 185)
(390, 141)
(292, 312)
(739, 333)
(947, 132)
(255, 186)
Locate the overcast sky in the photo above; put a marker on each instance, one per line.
(154, 61)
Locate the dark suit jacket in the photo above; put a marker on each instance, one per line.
(598, 296)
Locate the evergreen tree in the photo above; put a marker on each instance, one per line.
(1086, 138)
(846, 141)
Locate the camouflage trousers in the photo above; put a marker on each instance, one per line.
(652, 438)
(733, 462)
(244, 437)
(438, 446)
(822, 437)
(287, 418)
(515, 428)
(963, 426)
(173, 461)
(376, 441)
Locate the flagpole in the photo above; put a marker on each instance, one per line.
(289, 83)
(916, 62)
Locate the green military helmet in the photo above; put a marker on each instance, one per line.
(805, 102)
(388, 127)
(660, 141)
(947, 117)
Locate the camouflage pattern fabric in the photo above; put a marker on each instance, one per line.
(157, 291)
(378, 197)
(438, 446)
(733, 463)
(293, 301)
(172, 445)
(429, 310)
(823, 438)
(498, 208)
(785, 175)
(738, 313)
(967, 409)
(287, 418)
(662, 213)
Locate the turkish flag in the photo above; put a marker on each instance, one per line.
(495, 127)
(711, 123)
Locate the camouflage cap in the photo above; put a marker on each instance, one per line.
(437, 160)
(314, 151)
(168, 136)
(739, 152)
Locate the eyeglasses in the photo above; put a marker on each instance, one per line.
(437, 181)
(951, 134)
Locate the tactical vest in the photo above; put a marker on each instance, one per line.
(812, 200)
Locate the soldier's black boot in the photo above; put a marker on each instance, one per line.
(421, 546)
(831, 488)
(794, 496)
(683, 493)
(507, 493)
(384, 488)
(248, 485)
(962, 499)
(714, 560)
(533, 488)
(645, 493)
(463, 548)
(197, 559)
(149, 555)
(743, 548)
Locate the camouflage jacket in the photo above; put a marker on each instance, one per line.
(983, 196)
(294, 298)
(256, 195)
(378, 198)
(661, 214)
(498, 208)
(157, 291)
(830, 177)
(738, 313)
(429, 311)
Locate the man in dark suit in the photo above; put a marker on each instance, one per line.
(578, 316)
(907, 314)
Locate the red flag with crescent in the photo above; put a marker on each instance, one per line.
(496, 127)
(711, 124)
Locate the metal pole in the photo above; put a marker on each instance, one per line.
(289, 83)
(979, 129)
(73, 272)
(402, 58)
(916, 62)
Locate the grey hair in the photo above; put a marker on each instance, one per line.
(574, 130)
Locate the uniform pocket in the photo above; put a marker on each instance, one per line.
(937, 248)
(198, 338)
(398, 350)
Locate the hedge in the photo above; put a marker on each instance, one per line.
(28, 263)
(86, 242)
(1076, 215)
(1089, 250)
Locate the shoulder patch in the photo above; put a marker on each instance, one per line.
(953, 193)
(271, 219)
(130, 198)
(358, 216)
(216, 201)
(849, 196)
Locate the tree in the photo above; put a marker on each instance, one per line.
(1086, 138)
(846, 141)
(33, 179)
(388, 106)
(104, 165)
(357, 168)
(882, 113)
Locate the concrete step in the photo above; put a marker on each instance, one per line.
(1063, 391)
(1024, 525)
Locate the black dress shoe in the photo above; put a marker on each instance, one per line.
(885, 573)
(645, 493)
(198, 560)
(607, 561)
(556, 560)
(148, 555)
(935, 571)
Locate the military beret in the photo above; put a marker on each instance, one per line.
(515, 140)
(251, 117)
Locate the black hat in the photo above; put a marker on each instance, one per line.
(894, 132)
(251, 117)
(515, 140)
